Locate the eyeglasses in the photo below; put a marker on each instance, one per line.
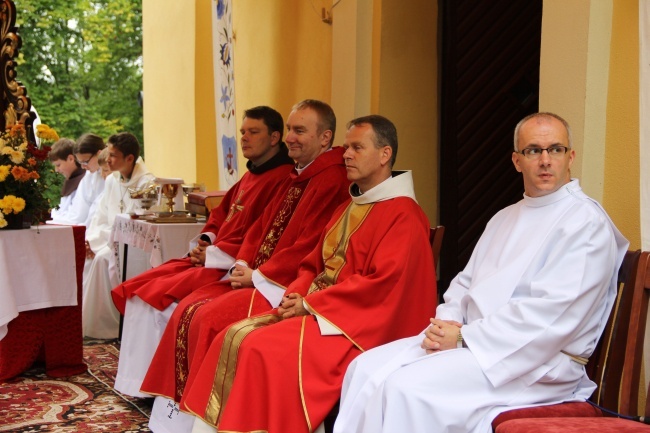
(536, 152)
(86, 162)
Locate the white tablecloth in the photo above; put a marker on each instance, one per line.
(38, 271)
(163, 241)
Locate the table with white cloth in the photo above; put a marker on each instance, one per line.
(40, 288)
(159, 241)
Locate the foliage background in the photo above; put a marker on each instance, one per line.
(81, 62)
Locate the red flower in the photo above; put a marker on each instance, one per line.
(39, 154)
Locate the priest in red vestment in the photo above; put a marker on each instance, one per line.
(272, 250)
(147, 300)
(370, 281)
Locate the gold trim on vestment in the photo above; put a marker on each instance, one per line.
(227, 362)
(336, 243)
(181, 365)
(247, 431)
(250, 305)
(302, 394)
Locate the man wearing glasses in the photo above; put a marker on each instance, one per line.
(518, 323)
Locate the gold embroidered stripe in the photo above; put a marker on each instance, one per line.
(336, 244)
(280, 223)
(227, 362)
(181, 368)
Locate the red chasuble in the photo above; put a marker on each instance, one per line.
(286, 233)
(372, 278)
(241, 207)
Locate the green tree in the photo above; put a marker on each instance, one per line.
(81, 62)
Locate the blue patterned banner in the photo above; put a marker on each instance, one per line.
(224, 85)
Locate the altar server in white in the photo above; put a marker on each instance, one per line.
(100, 318)
(64, 162)
(86, 152)
(517, 323)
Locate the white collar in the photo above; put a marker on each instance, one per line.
(400, 184)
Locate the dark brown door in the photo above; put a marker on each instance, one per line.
(489, 81)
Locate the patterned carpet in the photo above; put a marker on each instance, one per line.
(34, 402)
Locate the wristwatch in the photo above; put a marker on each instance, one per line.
(459, 340)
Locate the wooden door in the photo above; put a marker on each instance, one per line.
(489, 81)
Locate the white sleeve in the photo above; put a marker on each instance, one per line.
(217, 259)
(272, 292)
(77, 212)
(326, 328)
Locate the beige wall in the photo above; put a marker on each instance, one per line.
(568, 63)
(408, 91)
(283, 54)
(354, 51)
(385, 62)
(589, 75)
(205, 120)
(621, 197)
(380, 56)
(169, 68)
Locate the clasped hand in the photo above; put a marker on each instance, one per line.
(441, 335)
(292, 306)
(241, 276)
(197, 254)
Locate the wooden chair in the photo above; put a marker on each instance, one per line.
(615, 366)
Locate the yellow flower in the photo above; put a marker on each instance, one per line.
(6, 204)
(3, 221)
(11, 203)
(4, 172)
(16, 156)
(19, 204)
(46, 133)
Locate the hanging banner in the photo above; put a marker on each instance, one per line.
(224, 87)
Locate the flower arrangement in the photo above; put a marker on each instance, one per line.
(24, 168)
(52, 180)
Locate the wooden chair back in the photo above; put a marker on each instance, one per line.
(435, 239)
(618, 361)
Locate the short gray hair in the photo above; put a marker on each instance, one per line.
(544, 115)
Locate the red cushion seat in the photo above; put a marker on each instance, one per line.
(571, 409)
(572, 425)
